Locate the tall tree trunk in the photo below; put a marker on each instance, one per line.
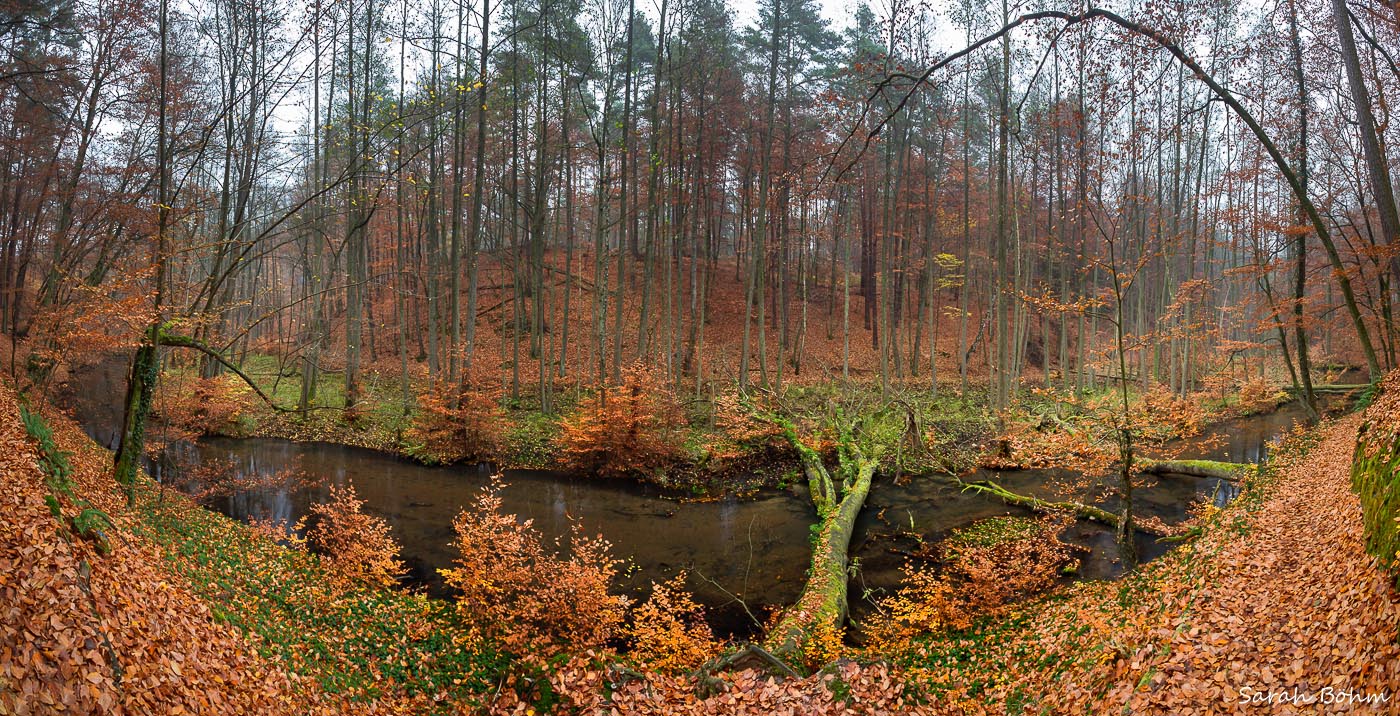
(1376, 167)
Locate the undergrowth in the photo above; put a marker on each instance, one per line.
(356, 640)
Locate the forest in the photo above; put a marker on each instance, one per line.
(693, 356)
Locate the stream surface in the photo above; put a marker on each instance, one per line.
(743, 555)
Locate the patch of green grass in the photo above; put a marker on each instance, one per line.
(357, 640)
(530, 439)
(54, 463)
(994, 531)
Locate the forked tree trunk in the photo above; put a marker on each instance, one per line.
(822, 606)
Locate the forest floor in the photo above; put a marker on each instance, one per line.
(1275, 608)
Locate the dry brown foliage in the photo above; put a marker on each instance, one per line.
(632, 427)
(359, 545)
(461, 427)
(86, 632)
(1257, 395)
(524, 596)
(586, 688)
(975, 579)
(189, 407)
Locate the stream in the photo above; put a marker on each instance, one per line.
(744, 556)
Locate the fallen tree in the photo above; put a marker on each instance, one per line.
(838, 497)
(1231, 471)
(1078, 509)
(1333, 388)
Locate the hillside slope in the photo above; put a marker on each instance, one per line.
(86, 632)
(1276, 608)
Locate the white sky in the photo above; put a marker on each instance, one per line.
(841, 16)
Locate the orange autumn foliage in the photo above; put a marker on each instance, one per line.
(359, 545)
(632, 427)
(88, 632)
(993, 576)
(668, 630)
(470, 430)
(524, 596)
(190, 407)
(976, 578)
(926, 603)
(1086, 439)
(1161, 415)
(1258, 395)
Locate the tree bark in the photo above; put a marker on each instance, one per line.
(1231, 471)
(1376, 168)
(822, 606)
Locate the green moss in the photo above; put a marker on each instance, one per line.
(994, 531)
(90, 522)
(1375, 476)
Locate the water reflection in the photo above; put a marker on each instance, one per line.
(755, 550)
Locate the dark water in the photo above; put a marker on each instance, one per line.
(743, 555)
(1243, 439)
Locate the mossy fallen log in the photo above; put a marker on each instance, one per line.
(821, 608)
(1231, 471)
(1078, 509)
(839, 496)
(1333, 388)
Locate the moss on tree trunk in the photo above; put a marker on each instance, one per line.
(822, 606)
(140, 391)
(838, 499)
(1232, 471)
(1079, 509)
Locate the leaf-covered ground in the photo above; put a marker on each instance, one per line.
(1276, 609)
(190, 612)
(83, 632)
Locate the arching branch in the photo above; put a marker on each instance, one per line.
(173, 340)
(1163, 41)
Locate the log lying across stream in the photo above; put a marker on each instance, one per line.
(1231, 471)
(1079, 509)
(1332, 388)
(838, 496)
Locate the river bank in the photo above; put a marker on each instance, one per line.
(1142, 643)
(745, 550)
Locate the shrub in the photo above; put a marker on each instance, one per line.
(1257, 396)
(1162, 415)
(632, 427)
(926, 603)
(669, 632)
(985, 567)
(453, 430)
(191, 406)
(992, 573)
(357, 544)
(525, 597)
